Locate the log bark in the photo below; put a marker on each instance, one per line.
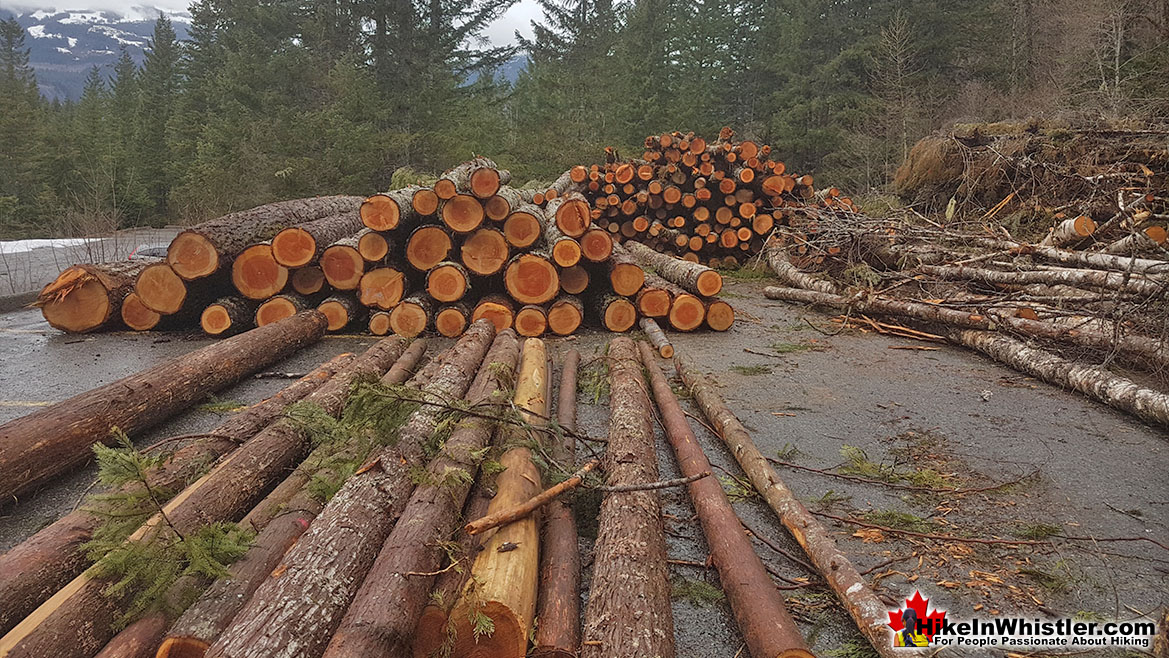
(412, 316)
(427, 246)
(388, 211)
(343, 264)
(451, 320)
(531, 321)
(384, 612)
(695, 278)
(303, 244)
(503, 583)
(1149, 240)
(228, 316)
(448, 282)
(790, 275)
(89, 297)
(78, 620)
(342, 311)
(480, 177)
(485, 251)
(1072, 277)
(616, 313)
(497, 309)
(763, 621)
(866, 610)
(572, 214)
(382, 288)
(657, 338)
(44, 444)
(531, 278)
(255, 272)
(205, 248)
(296, 613)
(629, 611)
(565, 315)
(31, 571)
(1093, 381)
(558, 607)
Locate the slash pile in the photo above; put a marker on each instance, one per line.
(413, 259)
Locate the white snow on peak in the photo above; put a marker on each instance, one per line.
(83, 17)
(72, 42)
(41, 14)
(63, 50)
(119, 35)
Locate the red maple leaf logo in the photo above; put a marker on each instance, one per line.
(931, 622)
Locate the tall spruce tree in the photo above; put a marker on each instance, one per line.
(20, 123)
(159, 89)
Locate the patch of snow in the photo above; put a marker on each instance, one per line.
(63, 50)
(21, 246)
(83, 18)
(41, 14)
(72, 42)
(37, 31)
(119, 35)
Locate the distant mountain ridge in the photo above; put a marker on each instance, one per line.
(64, 45)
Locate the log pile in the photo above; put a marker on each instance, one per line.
(420, 258)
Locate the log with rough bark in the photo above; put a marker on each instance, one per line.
(46, 443)
(88, 297)
(382, 288)
(462, 213)
(205, 248)
(565, 315)
(308, 280)
(497, 309)
(79, 620)
(295, 612)
(280, 307)
(342, 311)
(384, 612)
(558, 607)
(531, 278)
(866, 610)
(574, 280)
(657, 338)
(160, 289)
(427, 246)
(792, 276)
(571, 214)
(503, 584)
(34, 569)
(1095, 382)
(228, 316)
(695, 278)
(1147, 240)
(388, 211)
(480, 177)
(448, 282)
(1070, 231)
(616, 313)
(300, 245)
(412, 316)
(629, 611)
(342, 264)
(451, 320)
(531, 321)
(256, 274)
(763, 621)
(1118, 281)
(485, 251)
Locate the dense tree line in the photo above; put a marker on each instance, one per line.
(282, 99)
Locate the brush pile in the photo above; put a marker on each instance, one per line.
(435, 257)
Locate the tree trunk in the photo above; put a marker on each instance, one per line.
(629, 611)
(205, 248)
(497, 309)
(79, 620)
(867, 611)
(300, 245)
(558, 609)
(427, 246)
(1095, 382)
(788, 274)
(342, 311)
(384, 612)
(485, 251)
(412, 316)
(296, 613)
(565, 315)
(657, 338)
(531, 321)
(503, 583)
(34, 569)
(452, 320)
(616, 313)
(531, 278)
(388, 211)
(448, 282)
(255, 272)
(571, 212)
(764, 622)
(695, 278)
(89, 297)
(382, 288)
(343, 264)
(228, 316)
(44, 444)
(480, 177)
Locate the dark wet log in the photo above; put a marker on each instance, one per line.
(574, 280)
(205, 248)
(300, 245)
(46, 443)
(866, 610)
(629, 611)
(89, 297)
(228, 316)
(384, 612)
(34, 569)
(318, 578)
(763, 621)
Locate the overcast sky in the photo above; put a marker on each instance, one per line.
(501, 32)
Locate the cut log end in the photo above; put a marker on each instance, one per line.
(381, 213)
(336, 313)
(409, 319)
(382, 288)
(428, 246)
(444, 188)
(531, 321)
(136, 315)
(450, 322)
(709, 283)
(495, 310)
(256, 274)
(379, 323)
(294, 247)
(573, 217)
(215, 320)
(425, 202)
(275, 310)
(720, 315)
(447, 282)
(163, 291)
(342, 266)
(521, 229)
(626, 278)
(508, 639)
(182, 647)
(687, 313)
(192, 256)
(566, 253)
(565, 316)
(531, 279)
(654, 303)
(574, 280)
(484, 182)
(462, 213)
(373, 246)
(308, 280)
(596, 245)
(620, 315)
(496, 208)
(83, 307)
(485, 252)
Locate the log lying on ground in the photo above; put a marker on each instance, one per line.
(136, 315)
(629, 565)
(866, 610)
(764, 622)
(205, 248)
(1095, 382)
(503, 583)
(656, 296)
(303, 244)
(34, 569)
(792, 276)
(657, 338)
(200, 624)
(1139, 241)
(558, 607)
(46, 443)
(687, 313)
(88, 297)
(695, 278)
(452, 320)
(297, 612)
(382, 617)
(228, 316)
(1070, 231)
(160, 289)
(77, 621)
(1072, 277)
(720, 315)
(281, 307)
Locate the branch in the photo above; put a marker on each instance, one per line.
(650, 486)
(525, 508)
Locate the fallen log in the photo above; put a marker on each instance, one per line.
(205, 248)
(31, 571)
(720, 315)
(1141, 241)
(695, 278)
(300, 245)
(629, 564)
(384, 612)
(1070, 277)
(77, 621)
(524, 509)
(657, 338)
(503, 584)
(136, 315)
(297, 612)
(1093, 381)
(228, 316)
(1070, 231)
(88, 297)
(687, 313)
(46, 443)
(763, 621)
(790, 274)
(866, 610)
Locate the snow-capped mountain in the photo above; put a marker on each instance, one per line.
(65, 44)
